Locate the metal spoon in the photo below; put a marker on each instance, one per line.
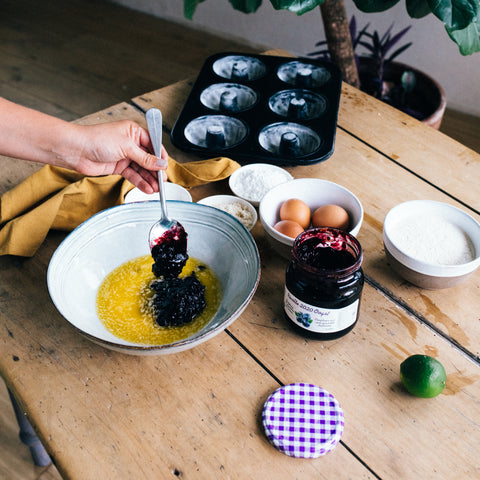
(167, 237)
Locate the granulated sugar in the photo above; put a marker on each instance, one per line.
(433, 239)
(253, 184)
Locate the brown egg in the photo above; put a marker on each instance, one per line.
(296, 210)
(288, 228)
(331, 216)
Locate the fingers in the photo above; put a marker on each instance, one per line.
(147, 160)
(143, 179)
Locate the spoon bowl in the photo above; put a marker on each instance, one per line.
(167, 237)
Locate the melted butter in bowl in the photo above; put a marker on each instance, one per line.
(124, 302)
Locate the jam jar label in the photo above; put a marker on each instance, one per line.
(318, 319)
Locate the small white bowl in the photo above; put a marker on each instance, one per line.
(172, 192)
(315, 192)
(412, 266)
(253, 181)
(239, 208)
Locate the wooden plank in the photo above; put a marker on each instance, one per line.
(96, 45)
(38, 81)
(191, 403)
(188, 413)
(369, 355)
(22, 97)
(429, 153)
(396, 434)
(357, 167)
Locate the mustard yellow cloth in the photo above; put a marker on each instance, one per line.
(60, 199)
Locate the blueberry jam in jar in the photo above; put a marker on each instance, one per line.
(324, 283)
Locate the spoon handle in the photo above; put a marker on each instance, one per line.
(154, 122)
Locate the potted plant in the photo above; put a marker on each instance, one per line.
(461, 19)
(399, 85)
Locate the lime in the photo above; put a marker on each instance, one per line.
(423, 376)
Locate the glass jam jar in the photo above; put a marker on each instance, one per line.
(324, 283)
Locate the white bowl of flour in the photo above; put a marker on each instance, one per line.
(431, 244)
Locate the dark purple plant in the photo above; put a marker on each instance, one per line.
(379, 48)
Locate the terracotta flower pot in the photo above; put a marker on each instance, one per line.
(427, 102)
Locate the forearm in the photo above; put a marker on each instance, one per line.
(120, 148)
(31, 135)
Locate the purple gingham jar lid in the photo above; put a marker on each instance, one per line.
(303, 420)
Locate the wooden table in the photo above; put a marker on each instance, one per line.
(197, 414)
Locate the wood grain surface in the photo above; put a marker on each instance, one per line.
(201, 408)
(197, 414)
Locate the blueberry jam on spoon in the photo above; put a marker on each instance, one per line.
(176, 300)
(169, 253)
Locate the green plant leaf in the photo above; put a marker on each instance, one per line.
(189, 7)
(467, 39)
(296, 6)
(455, 14)
(246, 6)
(418, 8)
(372, 6)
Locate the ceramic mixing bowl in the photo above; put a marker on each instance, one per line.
(112, 237)
(410, 263)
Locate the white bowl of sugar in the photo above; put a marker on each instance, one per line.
(431, 244)
(253, 181)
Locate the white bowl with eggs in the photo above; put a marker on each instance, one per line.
(315, 193)
(431, 244)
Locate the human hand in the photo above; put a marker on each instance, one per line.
(119, 148)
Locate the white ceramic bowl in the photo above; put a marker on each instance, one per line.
(247, 215)
(409, 264)
(172, 192)
(315, 192)
(112, 237)
(253, 181)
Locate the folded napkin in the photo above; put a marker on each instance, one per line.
(61, 199)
